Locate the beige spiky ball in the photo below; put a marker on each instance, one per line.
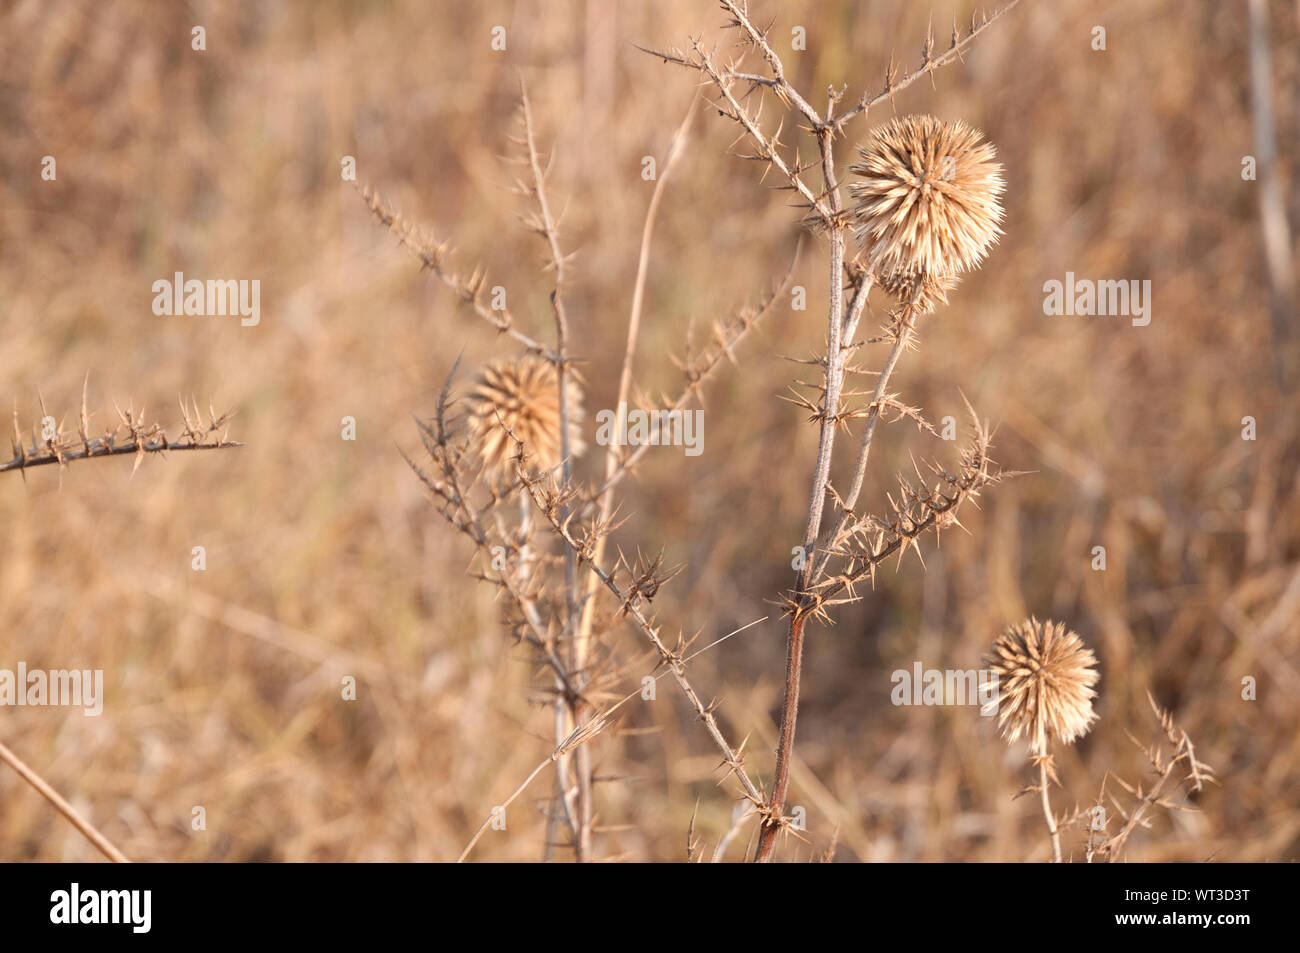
(1045, 678)
(521, 397)
(927, 204)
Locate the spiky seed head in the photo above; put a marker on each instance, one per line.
(521, 396)
(930, 289)
(926, 197)
(1045, 678)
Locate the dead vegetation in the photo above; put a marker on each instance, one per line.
(627, 564)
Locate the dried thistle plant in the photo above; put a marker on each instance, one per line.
(521, 430)
(1045, 678)
(1166, 759)
(921, 230)
(512, 431)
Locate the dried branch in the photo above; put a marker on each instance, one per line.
(929, 63)
(698, 370)
(1163, 763)
(434, 255)
(131, 436)
(92, 834)
(550, 504)
(568, 711)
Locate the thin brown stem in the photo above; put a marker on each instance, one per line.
(102, 843)
(615, 452)
(1047, 810)
(730, 334)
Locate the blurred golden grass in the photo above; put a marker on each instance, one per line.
(324, 559)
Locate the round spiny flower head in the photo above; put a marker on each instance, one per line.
(1045, 678)
(521, 396)
(926, 197)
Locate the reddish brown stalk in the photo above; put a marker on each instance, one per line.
(834, 379)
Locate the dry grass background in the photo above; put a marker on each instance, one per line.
(325, 559)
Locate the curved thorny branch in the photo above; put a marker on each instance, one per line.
(1177, 756)
(863, 543)
(435, 256)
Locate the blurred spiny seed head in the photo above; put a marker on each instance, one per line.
(926, 203)
(925, 290)
(521, 396)
(1045, 678)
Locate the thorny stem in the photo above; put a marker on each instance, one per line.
(812, 528)
(462, 516)
(831, 215)
(901, 341)
(1198, 773)
(631, 602)
(130, 437)
(569, 711)
(834, 376)
(435, 256)
(929, 63)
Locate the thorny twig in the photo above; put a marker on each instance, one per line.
(1163, 763)
(131, 436)
(550, 503)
